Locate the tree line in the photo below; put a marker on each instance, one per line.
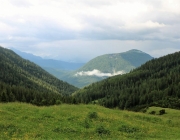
(21, 94)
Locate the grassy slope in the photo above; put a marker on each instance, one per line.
(24, 121)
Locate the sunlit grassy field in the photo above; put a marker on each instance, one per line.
(25, 121)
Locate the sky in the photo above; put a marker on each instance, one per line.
(79, 30)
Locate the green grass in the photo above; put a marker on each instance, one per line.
(25, 121)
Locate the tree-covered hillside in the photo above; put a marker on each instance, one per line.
(109, 63)
(20, 79)
(157, 82)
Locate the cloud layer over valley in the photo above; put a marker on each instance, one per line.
(98, 73)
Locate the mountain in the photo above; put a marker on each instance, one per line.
(49, 63)
(155, 83)
(111, 63)
(102, 67)
(24, 80)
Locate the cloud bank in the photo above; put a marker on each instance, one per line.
(98, 73)
(51, 27)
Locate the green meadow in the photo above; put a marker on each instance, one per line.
(25, 121)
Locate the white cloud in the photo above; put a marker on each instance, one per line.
(144, 26)
(98, 73)
(171, 6)
(83, 29)
(6, 29)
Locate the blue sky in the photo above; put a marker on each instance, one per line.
(79, 30)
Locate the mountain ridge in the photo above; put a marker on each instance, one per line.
(49, 63)
(125, 61)
(21, 78)
(154, 83)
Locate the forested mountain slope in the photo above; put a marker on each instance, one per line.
(23, 76)
(125, 61)
(157, 82)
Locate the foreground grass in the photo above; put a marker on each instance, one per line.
(24, 121)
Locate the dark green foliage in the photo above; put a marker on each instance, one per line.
(155, 83)
(152, 112)
(102, 131)
(92, 115)
(64, 130)
(58, 102)
(11, 129)
(23, 81)
(86, 123)
(128, 129)
(161, 112)
(144, 110)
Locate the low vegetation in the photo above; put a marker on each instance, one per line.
(25, 121)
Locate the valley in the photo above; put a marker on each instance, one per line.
(141, 104)
(90, 70)
(99, 68)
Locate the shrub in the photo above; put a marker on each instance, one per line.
(101, 130)
(161, 112)
(144, 110)
(152, 112)
(128, 129)
(86, 123)
(58, 102)
(92, 115)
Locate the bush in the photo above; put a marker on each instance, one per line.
(128, 129)
(101, 130)
(152, 112)
(86, 123)
(144, 110)
(92, 115)
(161, 112)
(58, 102)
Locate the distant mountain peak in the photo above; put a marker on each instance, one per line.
(125, 61)
(49, 63)
(136, 51)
